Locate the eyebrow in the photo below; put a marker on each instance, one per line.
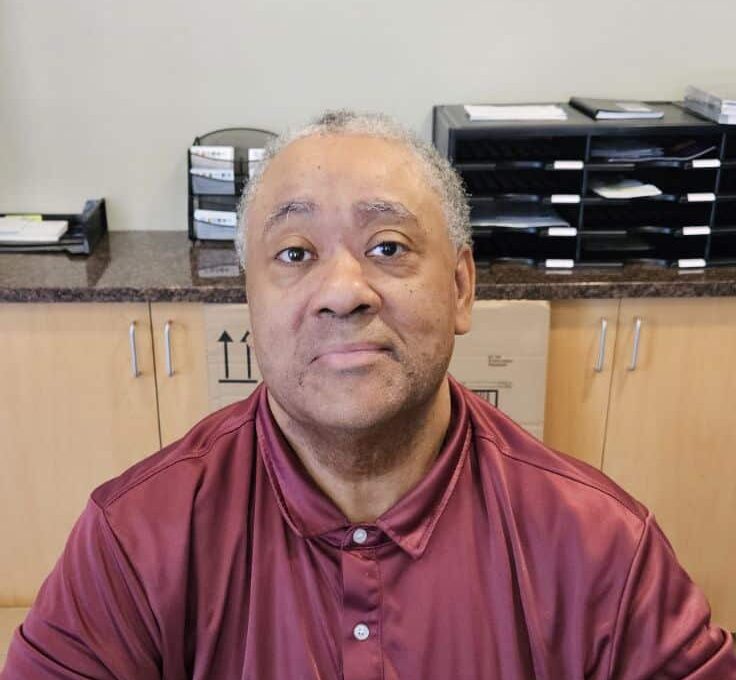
(391, 209)
(283, 210)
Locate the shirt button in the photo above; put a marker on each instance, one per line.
(360, 536)
(361, 632)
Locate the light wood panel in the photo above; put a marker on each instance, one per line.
(577, 396)
(71, 416)
(10, 619)
(671, 438)
(182, 396)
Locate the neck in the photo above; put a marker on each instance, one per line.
(367, 472)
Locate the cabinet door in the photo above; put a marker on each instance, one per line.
(181, 366)
(72, 415)
(671, 440)
(581, 344)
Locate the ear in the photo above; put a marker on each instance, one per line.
(464, 289)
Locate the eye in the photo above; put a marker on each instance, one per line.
(294, 255)
(387, 249)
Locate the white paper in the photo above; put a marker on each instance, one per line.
(626, 188)
(212, 173)
(516, 112)
(255, 157)
(218, 153)
(24, 230)
(220, 217)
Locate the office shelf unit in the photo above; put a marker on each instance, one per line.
(548, 170)
(219, 197)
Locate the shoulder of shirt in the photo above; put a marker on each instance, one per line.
(196, 445)
(523, 453)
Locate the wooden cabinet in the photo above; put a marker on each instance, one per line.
(181, 370)
(579, 369)
(662, 426)
(671, 433)
(72, 414)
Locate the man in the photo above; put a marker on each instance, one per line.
(362, 515)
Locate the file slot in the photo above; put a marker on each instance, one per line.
(524, 246)
(660, 247)
(730, 153)
(653, 149)
(671, 182)
(725, 215)
(641, 214)
(533, 183)
(727, 185)
(723, 248)
(494, 149)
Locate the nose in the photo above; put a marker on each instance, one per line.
(343, 289)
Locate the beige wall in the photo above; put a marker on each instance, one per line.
(102, 97)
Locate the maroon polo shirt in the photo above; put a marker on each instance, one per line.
(218, 557)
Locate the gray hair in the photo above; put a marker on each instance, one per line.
(440, 174)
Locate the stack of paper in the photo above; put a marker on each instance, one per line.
(516, 216)
(641, 150)
(625, 188)
(31, 230)
(516, 112)
(717, 103)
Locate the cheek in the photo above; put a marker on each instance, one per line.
(426, 315)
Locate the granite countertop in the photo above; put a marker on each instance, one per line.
(135, 266)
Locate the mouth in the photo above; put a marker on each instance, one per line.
(352, 355)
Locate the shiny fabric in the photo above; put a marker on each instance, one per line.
(219, 558)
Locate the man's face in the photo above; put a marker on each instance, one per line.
(354, 288)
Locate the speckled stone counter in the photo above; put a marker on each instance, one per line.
(164, 266)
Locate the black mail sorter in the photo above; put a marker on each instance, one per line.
(536, 188)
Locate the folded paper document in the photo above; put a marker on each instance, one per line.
(625, 188)
(31, 229)
(516, 112)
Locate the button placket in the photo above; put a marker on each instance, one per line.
(361, 647)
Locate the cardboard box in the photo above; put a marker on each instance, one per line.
(504, 358)
(232, 370)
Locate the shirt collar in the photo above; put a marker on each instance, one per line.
(409, 522)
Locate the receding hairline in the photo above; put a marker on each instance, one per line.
(410, 152)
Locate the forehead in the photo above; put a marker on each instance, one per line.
(350, 167)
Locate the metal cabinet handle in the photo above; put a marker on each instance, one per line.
(635, 349)
(601, 346)
(167, 344)
(133, 353)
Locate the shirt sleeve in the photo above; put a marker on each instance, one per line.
(663, 627)
(91, 618)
